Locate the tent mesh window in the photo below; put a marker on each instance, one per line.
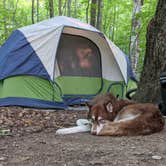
(78, 56)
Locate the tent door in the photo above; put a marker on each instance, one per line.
(79, 63)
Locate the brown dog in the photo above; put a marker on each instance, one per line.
(114, 117)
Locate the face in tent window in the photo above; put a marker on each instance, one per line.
(78, 56)
(85, 56)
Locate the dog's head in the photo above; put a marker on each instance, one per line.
(99, 114)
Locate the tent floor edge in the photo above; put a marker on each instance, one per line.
(31, 103)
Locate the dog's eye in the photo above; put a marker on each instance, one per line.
(102, 121)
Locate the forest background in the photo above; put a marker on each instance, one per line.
(123, 21)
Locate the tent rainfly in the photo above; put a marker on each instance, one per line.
(60, 61)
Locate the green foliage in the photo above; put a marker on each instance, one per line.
(116, 18)
(117, 22)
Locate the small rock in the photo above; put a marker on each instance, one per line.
(155, 157)
(24, 158)
(2, 158)
(47, 113)
(20, 114)
(47, 118)
(43, 142)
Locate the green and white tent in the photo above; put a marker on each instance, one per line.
(58, 62)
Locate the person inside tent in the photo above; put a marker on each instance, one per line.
(79, 58)
(85, 57)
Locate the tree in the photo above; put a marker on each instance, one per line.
(69, 8)
(99, 15)
(87, 12)
(134, 39)
(33, 12)
(60, 7)
(51, 8)
(155, 57)
(65, 7)
(114, 24)
(93, 13)
(37, 10)
(75, 8)
(4, 21)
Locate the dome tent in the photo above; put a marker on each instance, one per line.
(49, 63)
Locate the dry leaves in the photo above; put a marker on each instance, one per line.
(23, 120)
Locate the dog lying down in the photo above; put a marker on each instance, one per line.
(113, 117)
(109, 116)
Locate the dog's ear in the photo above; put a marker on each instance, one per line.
(109, 107)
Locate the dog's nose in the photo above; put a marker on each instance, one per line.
(93, 130)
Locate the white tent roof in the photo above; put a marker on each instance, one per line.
(44, 38)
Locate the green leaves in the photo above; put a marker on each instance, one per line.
(116, 17)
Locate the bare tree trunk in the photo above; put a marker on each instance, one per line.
(75, 9)
(33, 12)
(155, 57)
(51, 8)
(69, 8)
(37, 10)
(60, 7)
(64, 7)
(134, 39)
(99, 15)
(14, 15)
(4, 20)
(87, 12)
(114, 24)
(93, 13)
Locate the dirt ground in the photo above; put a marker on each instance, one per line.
(33, 143)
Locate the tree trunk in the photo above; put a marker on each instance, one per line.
(60, 7)
(155, 57)
(134, 39)
(4, 21)
(87, 12)
(33, 12)
(114, 24)
(93, 13)
(64, 7)
(99, 15)
(69, 8)
(37, 10)
(51, 8)
(75, 9)
(14, 15)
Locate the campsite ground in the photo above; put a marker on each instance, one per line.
(33, 143)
